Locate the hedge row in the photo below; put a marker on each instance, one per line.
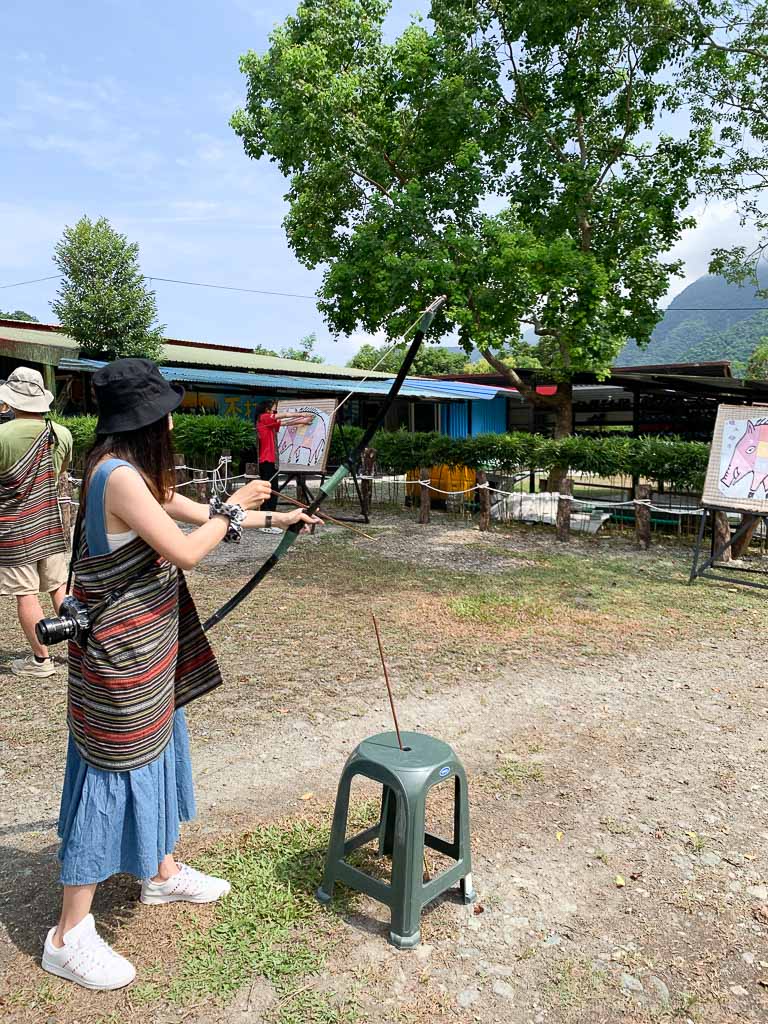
(671, 461)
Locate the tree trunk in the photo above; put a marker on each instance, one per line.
(740, 545)
(560, 403)
(721, 531)
(563, 428)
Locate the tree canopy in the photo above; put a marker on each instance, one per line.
(505, 155)
(757, 364)
(103, 301)
(19, 314)
(727, 78)
(304, 351)
(430, 361)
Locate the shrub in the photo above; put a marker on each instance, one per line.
(667, 460)
(200, 438)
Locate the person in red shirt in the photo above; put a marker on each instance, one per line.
(268, 422)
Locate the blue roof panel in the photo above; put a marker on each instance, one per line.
(413, 387)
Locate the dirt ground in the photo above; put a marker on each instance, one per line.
(614, 727)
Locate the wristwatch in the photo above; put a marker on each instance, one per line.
(268, 522)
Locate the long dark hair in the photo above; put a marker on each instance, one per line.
(149, 449)
(266, 406)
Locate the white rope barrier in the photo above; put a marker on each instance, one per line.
(220, 479)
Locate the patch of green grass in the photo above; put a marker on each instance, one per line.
(40, 996)
(573, 982)
(270, 924)
(493, 607)
(518, 773)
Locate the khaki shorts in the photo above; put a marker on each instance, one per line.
(41, 577)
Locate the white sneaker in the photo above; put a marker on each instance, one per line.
(186, 885)
(29, 667)
(87, 959)
(271, 529)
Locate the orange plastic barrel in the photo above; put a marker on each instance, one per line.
(445, 478)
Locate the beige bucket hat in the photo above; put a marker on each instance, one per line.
(25, 390)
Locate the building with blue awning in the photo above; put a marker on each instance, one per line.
(232, 381)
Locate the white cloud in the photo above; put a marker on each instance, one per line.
(718, 226)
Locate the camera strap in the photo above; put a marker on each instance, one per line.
(75, 547)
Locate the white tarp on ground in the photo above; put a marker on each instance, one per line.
(542, 508)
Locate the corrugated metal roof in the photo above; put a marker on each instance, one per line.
(175, 352)
(188, 355)
(413, 387)
(32, 335)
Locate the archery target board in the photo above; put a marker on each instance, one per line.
(304, 447)
(737, 472)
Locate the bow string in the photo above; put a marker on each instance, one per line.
(348, 466)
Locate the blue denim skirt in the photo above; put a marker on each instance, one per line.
(114, 822)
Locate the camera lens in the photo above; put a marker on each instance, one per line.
(55, 630)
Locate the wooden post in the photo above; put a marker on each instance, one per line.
(721, 534)
(484, 500)
(366, 484)
(643, 517)
(563, 520)
(65, 508)
(182, 476)
(741, 544)
(425, 502)
(201, 486)
(229, 469)
(251, 469)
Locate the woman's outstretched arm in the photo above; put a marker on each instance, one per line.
(185, 510)
(130, 502)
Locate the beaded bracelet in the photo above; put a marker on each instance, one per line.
(235, 513)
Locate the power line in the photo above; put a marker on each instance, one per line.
(297, 295)
(173, 280)
(228, 287)
(18, 284)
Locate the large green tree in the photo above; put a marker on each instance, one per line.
(103, 301)
(727, 79)
(505, 153)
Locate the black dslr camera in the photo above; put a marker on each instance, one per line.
(72, 623)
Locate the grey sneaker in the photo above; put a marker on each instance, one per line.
(29, 667)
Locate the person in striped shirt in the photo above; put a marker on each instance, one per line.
(34, 453)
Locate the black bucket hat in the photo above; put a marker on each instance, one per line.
(131, 394)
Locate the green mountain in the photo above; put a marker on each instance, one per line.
(710, 320)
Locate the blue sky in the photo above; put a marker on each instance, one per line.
(120, 109)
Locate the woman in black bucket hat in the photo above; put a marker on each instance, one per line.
(128, 782)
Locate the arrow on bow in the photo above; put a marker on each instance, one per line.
(349, 465)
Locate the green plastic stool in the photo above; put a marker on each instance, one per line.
(406, 776)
